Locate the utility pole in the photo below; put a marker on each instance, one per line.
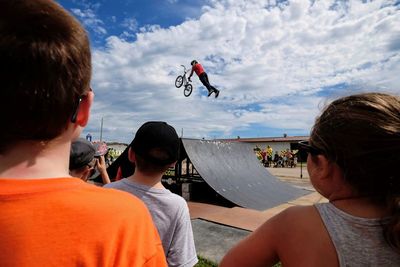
(101, 130)
(301, 166)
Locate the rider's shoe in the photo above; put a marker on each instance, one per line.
(210, 92)
(216, 93)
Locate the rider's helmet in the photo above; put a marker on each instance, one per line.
(193, 62)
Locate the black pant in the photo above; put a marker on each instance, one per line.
(204, 80)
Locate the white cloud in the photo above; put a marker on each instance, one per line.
(90, 20)
(130, 23)
(271, 61)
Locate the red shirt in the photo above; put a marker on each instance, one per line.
(198, 68)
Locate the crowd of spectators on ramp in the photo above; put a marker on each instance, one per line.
(280, 159)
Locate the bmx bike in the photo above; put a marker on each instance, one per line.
(182, 80)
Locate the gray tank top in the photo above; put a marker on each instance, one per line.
(358, 241)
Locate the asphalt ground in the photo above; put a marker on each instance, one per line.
(213, 240)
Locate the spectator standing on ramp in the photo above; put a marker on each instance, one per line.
(47, 217)
(89, 137)
(360, 226)
(199, 70)
(154, 150)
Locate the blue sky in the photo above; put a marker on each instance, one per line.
(277, 63)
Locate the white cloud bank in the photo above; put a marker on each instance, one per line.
(274, 65)
(90, 20)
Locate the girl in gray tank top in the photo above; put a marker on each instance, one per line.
(358, 241)
(353, 158)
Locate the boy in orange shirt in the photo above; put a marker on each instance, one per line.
(47, 217)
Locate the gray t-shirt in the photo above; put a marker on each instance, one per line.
(171, 216)
(358, 241)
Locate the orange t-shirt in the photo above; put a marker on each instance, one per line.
(67, 222)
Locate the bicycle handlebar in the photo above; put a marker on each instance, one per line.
(184, 69)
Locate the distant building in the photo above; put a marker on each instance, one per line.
(276, 143)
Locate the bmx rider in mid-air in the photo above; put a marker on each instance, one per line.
(198, 68)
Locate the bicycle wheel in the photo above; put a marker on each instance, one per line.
(188, 90)
(179, 81)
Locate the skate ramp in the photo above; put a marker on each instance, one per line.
(233, 171)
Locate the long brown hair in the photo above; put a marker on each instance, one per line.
(361, 133)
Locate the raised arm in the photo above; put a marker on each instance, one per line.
(191, 73)
(102, 168)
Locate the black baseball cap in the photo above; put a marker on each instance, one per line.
(82, 153)
(156, 142)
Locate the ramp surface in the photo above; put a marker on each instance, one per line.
(233, 171)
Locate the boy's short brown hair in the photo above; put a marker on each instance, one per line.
(45, 66)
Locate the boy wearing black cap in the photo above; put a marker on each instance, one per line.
(49, 218)
(154, 150)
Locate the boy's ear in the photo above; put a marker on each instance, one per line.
(84, 109)
(131, 155)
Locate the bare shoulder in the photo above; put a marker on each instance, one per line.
(293, 215)
(296, 221)
(291, 222)
(275, 240)
(303, 233)
(298, 214)
(295, 237)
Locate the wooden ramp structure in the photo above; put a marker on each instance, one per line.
(234, 172)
